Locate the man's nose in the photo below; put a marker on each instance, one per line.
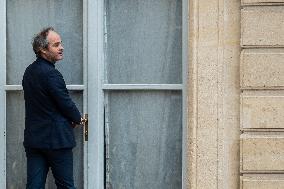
(61, 47)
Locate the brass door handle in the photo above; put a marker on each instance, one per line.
(85, 126)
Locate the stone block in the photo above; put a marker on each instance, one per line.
(263, 181)
(245, 2)
(262, 26)
(262, 68)
(262, 112)
(262, 152)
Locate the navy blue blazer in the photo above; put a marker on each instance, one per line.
(49, 108)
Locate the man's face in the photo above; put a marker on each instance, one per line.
(54, 52)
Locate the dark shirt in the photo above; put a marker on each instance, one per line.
(49, 108)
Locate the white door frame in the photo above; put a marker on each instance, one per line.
(95, 59)
(2, 92)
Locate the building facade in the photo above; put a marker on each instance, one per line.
(179, 93)
(236, 99)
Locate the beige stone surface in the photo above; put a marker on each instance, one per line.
(207, 151)
(262, 26)
(262, 152)
(262, 112)
(265, 181)
(214, 94)
(262, 68)
(244, 2)
(229, 97)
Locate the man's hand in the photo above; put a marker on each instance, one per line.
(82, 123)
(74, 125)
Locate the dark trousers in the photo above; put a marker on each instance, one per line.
(38, 163)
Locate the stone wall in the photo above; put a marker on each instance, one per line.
(262, 95)
(236, 94)
(214, 94)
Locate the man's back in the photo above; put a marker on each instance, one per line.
(49, 109)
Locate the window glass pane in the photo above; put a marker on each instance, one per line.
(145, 140)
(26, 18)
(144, 41)
(15, 153)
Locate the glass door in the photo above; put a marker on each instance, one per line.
(23, 20)
(143, 84)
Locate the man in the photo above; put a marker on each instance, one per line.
(50, 116)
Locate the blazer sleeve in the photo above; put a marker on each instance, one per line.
(58, 91)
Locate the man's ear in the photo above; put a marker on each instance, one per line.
(42, 50)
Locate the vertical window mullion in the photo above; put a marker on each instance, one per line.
(3, 92)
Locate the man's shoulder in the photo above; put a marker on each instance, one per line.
(42, 68)
(39, 69)
(30, 69)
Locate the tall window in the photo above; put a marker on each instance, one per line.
(144, 94)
